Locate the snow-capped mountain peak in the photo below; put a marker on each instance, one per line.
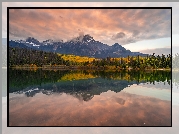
(82, 39)
(83, 45)
(87, 38)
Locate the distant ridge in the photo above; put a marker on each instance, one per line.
(82, 46)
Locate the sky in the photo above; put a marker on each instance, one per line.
(144, 30)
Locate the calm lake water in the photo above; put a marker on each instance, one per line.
(89, 98)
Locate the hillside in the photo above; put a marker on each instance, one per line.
(22, 57)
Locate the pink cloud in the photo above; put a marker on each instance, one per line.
(102, 24)
(107, 109)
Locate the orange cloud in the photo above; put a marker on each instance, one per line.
(102, 24)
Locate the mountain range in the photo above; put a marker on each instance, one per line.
(82, 46)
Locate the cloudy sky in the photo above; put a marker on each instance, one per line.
(144, 30)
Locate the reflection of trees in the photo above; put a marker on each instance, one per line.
(19, 79)
(175, 78)
(149, 76)
(175, 61)
(24, 78)
(51, 82)
(175, 67)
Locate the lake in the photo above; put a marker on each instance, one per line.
(89, 98)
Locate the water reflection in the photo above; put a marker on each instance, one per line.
(82, 83)
(89, 98)
(121, 109)
(175, 79)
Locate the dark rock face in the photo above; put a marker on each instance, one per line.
(82, 46)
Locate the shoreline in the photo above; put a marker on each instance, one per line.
(89, 68)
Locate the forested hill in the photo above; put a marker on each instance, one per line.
(23, 56)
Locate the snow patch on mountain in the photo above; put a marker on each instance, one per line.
(83, 45)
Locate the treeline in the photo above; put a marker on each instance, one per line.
(137, 62)
(22, 56)
(175, 61)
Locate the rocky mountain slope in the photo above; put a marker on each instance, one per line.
(82, 46)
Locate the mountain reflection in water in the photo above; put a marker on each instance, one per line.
(89, 98)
